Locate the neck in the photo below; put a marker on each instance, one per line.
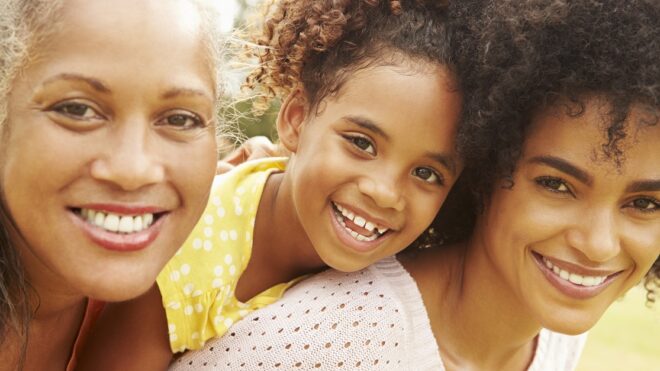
(57, 315)
(280, 235)
(476, 318)
(52, 295)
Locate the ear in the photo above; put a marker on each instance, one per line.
(291, 119)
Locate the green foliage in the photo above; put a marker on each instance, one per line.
(251, 125)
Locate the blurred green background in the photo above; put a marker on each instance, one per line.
(626, 338)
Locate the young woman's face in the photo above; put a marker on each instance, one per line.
(373, 167)
(109, 150)
(576, 232)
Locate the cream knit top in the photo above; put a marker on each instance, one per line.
(372, 319)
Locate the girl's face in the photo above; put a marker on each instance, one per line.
(109, 149)
(372, 168)
(576, 232)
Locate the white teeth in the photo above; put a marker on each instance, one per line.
(361, 221)
(353, 233)
(126, 224)
(117, 223)
(111, 223)
(574, 278)
(147, 220)
(99, 218)
(137, 223)
(589, 281)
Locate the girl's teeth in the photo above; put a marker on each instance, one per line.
(117, 223)
(353, 233)
(574, 278)
(360, 221)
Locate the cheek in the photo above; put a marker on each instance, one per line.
(425, 207)
(642, 243)
(193, 169)
(37, 163)
(516, 219)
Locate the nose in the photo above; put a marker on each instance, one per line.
(596, 235)
(127, 160)
(384, 190)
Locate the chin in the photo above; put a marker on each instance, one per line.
(571, 326)
(122, 288)
(341, 265)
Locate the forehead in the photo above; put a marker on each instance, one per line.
(135, 43)
(583, 138)
(133, 24)
(419, 103)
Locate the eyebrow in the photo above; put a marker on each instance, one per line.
(92, 82)
(367, 124)
(565, 167)
(644, 186)
(445, 160)
(186, 92)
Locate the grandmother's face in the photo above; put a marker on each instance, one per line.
(577, 231)
(109, 152)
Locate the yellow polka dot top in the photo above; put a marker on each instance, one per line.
(197, 285)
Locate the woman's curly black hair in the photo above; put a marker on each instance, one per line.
(317, 44)
(514, 58)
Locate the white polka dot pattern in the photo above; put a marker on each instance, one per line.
(198, 284)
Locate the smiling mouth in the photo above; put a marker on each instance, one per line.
(577, 285)
(574, 278)
(358, 226)
(121, 224)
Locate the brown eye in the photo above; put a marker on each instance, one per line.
(553, 184)
(183, 121)
(645, 204)
(79, 111)
(428, 175)
(361, 143)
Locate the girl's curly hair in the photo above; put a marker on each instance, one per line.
(316, 44)
(514, 58)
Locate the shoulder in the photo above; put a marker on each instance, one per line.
(330, 319)
(556, 351)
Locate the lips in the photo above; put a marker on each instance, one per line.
(359, 227)
(578, 279)
(352, 234)
(118, 223)
(573, 280)
(119, 228)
